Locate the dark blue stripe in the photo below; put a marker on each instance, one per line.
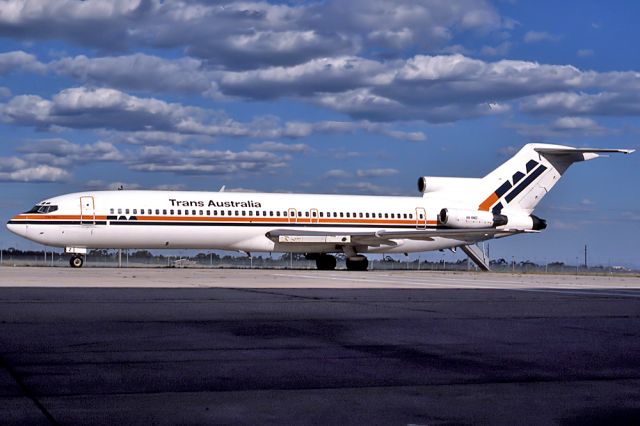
(503, 189)
(525, 183)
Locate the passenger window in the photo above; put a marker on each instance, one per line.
(410, 216)
(392, 216)
(360, 214)
(306, 214)
(157, 211)
(321, 214)
(193, 212)
(171, 211)
(221, 212)
(278, 213)
(313, 214)
(179, 212)
(271, 214)
(229, 213)
(126, 211)
(237, 213)
(257, 212)
(420, 215)
(111, 211)
(386, 215)
(250, 213)
(164, 211)
(366, 215)
(201, 212)
(135, 211)
(348, 214)
(341, 214)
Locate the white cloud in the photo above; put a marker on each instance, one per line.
(19, 61)
(248, 35)
(569, 103)
(205, 162)
(377, 172)
(146, 118)
(60, 152)
(35, 173)
(562, 127)
(337, 173)
(538, 36)
(433, 88)
(139, 72)
(498, 50)
(365, 188)
(271, 146)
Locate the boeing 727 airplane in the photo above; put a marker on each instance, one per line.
(452, 212)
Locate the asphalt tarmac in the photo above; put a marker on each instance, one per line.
(160, 346)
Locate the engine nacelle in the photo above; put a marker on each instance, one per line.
(457, 218)
(515, 221)
(428, 184)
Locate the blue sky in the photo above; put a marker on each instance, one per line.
(326, 97)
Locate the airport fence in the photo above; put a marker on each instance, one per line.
(145, 259)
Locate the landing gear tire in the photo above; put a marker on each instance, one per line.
(76, 261)
(325, 262)
(357, 263)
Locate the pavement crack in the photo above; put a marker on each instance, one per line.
(27, 391)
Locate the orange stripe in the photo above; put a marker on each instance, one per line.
(280, 220)
(486, 204)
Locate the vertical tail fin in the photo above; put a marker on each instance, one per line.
(522, 181)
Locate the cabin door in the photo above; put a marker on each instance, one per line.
(314, 216)
(421, 218)
(293, 216)
(87, 211)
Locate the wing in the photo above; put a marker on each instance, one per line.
(383, 237)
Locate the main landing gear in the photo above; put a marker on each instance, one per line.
(357, 263)
(76, 261)
(326, 262)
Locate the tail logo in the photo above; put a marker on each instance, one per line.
(512, 188)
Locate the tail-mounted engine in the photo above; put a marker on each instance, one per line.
(457, 218)
(469, 219)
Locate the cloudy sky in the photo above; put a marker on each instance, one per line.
(326, 96)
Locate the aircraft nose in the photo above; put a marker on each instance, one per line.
(17, 228)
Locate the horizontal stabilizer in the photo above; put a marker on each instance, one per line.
(562, 151)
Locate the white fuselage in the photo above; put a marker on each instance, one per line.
(223, 220)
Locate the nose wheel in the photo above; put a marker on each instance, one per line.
(76, 261)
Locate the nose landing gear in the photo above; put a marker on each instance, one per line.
(76, 261)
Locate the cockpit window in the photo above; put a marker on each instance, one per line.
(43, 209)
